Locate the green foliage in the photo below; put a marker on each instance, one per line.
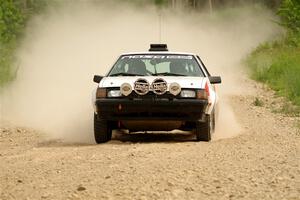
(6, 59)
(278, 65)
(11, 21)
(289, 12)
(160, 2)
(11, 25)
(258, 102)
(13, 17)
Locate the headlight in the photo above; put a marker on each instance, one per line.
(188, 94)
(114, 93)
(174, 88)
(126, 89)
(101, 93)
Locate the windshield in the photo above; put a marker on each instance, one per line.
(155, 65)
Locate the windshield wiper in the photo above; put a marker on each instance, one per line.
(125, 74)
(167, 74)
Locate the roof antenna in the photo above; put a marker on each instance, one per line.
(159, 24)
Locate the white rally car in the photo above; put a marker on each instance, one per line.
(156, 91)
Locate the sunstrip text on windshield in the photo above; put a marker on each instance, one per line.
(157, 57)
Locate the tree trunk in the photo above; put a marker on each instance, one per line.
(25, 4)
(210, 6)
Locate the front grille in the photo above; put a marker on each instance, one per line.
(151, 95)
(154, 115)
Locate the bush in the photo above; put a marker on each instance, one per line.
(278, 65)
(11, 25)
(11, 21)
(289, 12)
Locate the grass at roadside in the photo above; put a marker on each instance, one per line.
(278, 65)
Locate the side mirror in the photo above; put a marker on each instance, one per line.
(215, 79)
(97, 78)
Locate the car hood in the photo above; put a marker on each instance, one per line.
(183, 81)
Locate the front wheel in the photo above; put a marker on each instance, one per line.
(102, 131)
(205, 129)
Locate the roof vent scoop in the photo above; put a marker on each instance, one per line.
(158, 47)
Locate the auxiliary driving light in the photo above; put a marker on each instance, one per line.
(159, 86)
(141, 86)
(174, 89)
(126, 89)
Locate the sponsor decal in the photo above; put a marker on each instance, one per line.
(157, 57)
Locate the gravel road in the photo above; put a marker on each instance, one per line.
(260, 163)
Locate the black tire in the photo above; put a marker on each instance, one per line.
(205, 129)
(102, 131)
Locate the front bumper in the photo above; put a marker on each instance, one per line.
(151, 109)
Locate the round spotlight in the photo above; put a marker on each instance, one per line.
(141, 86)
(175, 89)
(126, 89)
(159, 86)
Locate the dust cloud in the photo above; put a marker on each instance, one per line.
(63, 48)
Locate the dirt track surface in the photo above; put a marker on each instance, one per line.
(260, 163)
